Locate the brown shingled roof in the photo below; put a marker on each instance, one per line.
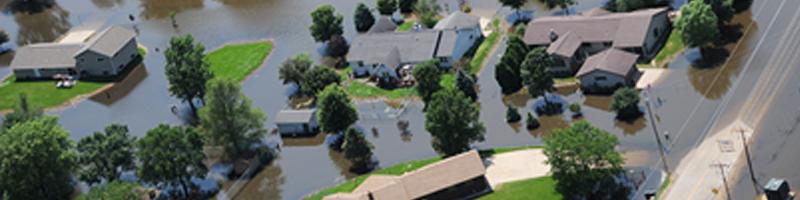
(565, 45)
(613, 60)
(623, 29)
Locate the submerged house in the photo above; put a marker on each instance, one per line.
(297, 122)
(608, 70)
(381, 52)
(570, 40)
(457, 177)
(85, 55)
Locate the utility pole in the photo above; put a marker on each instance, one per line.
(749, 162)
(655, 131)
(724, 180)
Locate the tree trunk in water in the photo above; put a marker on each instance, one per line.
(192, 106)
(185, 190)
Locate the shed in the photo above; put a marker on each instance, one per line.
(297, 122)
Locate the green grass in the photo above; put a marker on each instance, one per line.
(142, 51)
(663, 187)
(362, 90)
(448, 80)
(500, 150)
(674, 46)
(406, 26)
(566, 80)
(114, 191)
(542, 188)
(351, 184)
(43, 94)
(237, 61)
(483, 50)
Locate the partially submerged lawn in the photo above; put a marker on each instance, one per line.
(362, 90)
(673, 47)
(42, 94)
(237, 61)
(542, 188)
(406, 26)
(483, 50)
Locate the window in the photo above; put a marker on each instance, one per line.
(655, 31)
(100, 59)
(600, 78)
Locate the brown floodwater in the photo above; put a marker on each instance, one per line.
(305, 164)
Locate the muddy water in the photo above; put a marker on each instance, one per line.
(305, 164)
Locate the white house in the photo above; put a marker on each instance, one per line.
(608, 70)
(297, 122)
(102, 54)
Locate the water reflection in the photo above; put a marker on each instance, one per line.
(342, 164)
(27, 6)
(107, 4)
(123, 87)
(157, 9)
(316, 140)
(548, 124)
(41, 27)
(598, 102)
(5, 58)
(265, 185)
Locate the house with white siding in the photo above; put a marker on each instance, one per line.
(608, 70)
(297, 122)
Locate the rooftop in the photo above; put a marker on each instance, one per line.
(458, 20)
(45, 55)
(295, 116)
(413, 46)
(613, 60)
(110, 41)
(383, 24)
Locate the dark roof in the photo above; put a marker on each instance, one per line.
(612, 60)
(623, 29)
(412, 46)
(565, 45)
(392, 60)
(447, 43)
(295, 116)
(383, 24)
(110, 41)
(45, 55)
(458, 20)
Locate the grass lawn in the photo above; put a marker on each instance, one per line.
(237, 61)
(565, 80)
(362, 90)
(142, 52)
(542, 188)
(483, 50)
(406, 26)
(43, 94)
(448, 80)
(673, 47)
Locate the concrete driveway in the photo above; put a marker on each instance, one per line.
(514, 166)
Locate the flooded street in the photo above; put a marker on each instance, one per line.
(690, 95)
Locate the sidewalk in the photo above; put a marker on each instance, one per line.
(699, 175)
(517, 165)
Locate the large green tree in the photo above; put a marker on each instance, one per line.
(357, 149)
(406, 6)
(37, 160)
(172, 156)
(115, 191)
(563, 4)
(535, 75)
(453, 121)
(22, 112)
(386, 7)
(507, 71)
(316, 79)
(293, 69)
(363, 18)
(508, 78)
(325, 23)
(337, 48)
(583, 161)
(428, 76)
(105, 155)
(723, 9)
(187, 71)
(229, 119)
(625, 101)
(428, 12)
(466, 83)
(336, 112)
(697, 24)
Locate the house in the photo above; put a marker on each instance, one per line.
(103, 54)
(297, 122)
(571, 39)
(608, 70)
(457, 177)
(381, 52)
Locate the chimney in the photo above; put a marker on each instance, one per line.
(553, 35)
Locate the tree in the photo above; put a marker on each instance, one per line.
(723, 9)
(293, 69)
(115, 191)
(105, 155)
(428, 76)
(563, 4)
(363, 18)
(741, 5)
(631, 5)
(171, 155)
(386, 7)
(531, 122)
(535, 75)
(357, 149)
(583, 161)
(697, 24)
(406, 6)
(575, 108)
(625, 101)
(337, 48)
(38, 159)
(512, 115)
(507, 71)
(187, 71)
(23, 112)
(515, 4)
(507, 78)
(3, 37)
(466, 84)
(317, 79)
(453, 121)
(336, 112)
(428, 12)
(325, 23)
(229, 118)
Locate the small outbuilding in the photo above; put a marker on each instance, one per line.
(297, 122)
(608, 70)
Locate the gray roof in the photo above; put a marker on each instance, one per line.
(392, 59)
(295, 116)
(613, 61)
(458, 20)
(110, 41)
(412, 46)
(447, 43)
(383, 24)
(565, 45)
(45, 55)
(623, 29)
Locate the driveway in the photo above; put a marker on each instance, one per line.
(514, 166)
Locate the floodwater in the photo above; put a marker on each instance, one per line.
(689, 95)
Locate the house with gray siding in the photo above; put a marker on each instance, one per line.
(103, 54)
(608, 70)
(297, 122)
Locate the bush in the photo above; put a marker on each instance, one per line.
(575, 108)
(531, 122)
(625, 101)
(512, 115)
(467, 9)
